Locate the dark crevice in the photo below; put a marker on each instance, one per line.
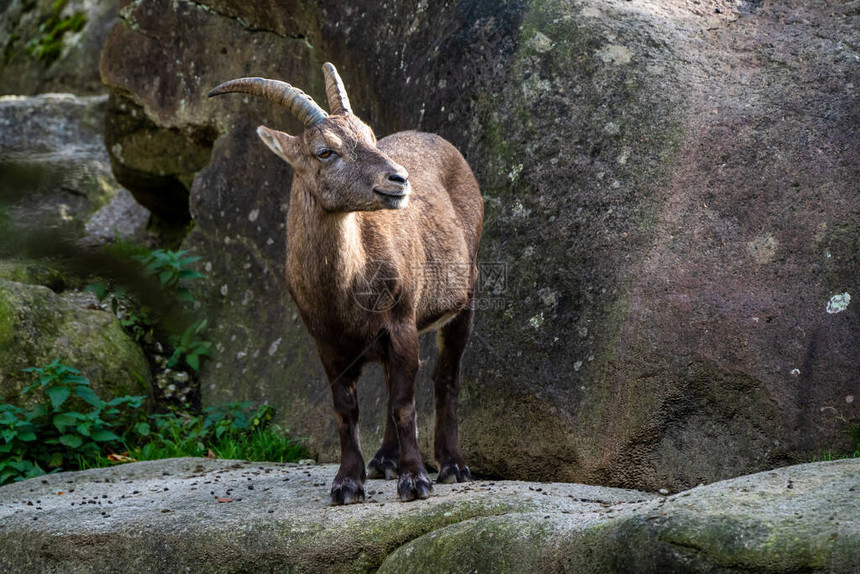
(249, 26)
(156, 164)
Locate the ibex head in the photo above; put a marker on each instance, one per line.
(335, 158)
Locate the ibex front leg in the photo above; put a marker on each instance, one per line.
(402, 368)
(348, 485)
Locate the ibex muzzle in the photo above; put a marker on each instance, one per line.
(378, 219)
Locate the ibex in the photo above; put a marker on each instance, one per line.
(382, 241)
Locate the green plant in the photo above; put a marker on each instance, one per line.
(69, 423)
(71, 427)
(235, 430)
(48, 44)
(854, 431)
(270, 443)
(235, 417)
(170, 267)
(190, 346)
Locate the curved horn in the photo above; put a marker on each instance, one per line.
(299, 103)
(338, 102)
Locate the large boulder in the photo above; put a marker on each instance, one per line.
(122, 218)
(53, 45)
(200, 515)
(54, 169)
(799, 519)
(671, 216)
(38, 326)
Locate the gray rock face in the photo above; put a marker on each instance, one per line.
(671, 206)
(198, 515)
(48, 46)
(122, 218)
(54, 169)
(54, 174)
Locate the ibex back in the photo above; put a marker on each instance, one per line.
(382, 240)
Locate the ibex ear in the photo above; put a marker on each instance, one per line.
(284, 145)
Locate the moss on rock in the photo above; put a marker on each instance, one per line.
(503, 544)
(53, 45)
(38, 326)
(795, 519)
(33, 273)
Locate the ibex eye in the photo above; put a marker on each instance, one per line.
(325, 154)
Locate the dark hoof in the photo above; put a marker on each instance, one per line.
(346, 491)
(382, 467)
(453, 472)
(414, 485)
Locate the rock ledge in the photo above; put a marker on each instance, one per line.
(199, 515)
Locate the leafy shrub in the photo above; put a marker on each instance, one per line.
(190, 346)
(170, 267)
(68, 425)
(71, 428)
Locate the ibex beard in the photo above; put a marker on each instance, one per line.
(367, 221)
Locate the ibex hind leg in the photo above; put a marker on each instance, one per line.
(348, 485)
(452, 341)
(402, 361)
(384, 463)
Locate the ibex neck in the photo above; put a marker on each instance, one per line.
(324, 249)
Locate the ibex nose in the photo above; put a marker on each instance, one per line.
(399, 177)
